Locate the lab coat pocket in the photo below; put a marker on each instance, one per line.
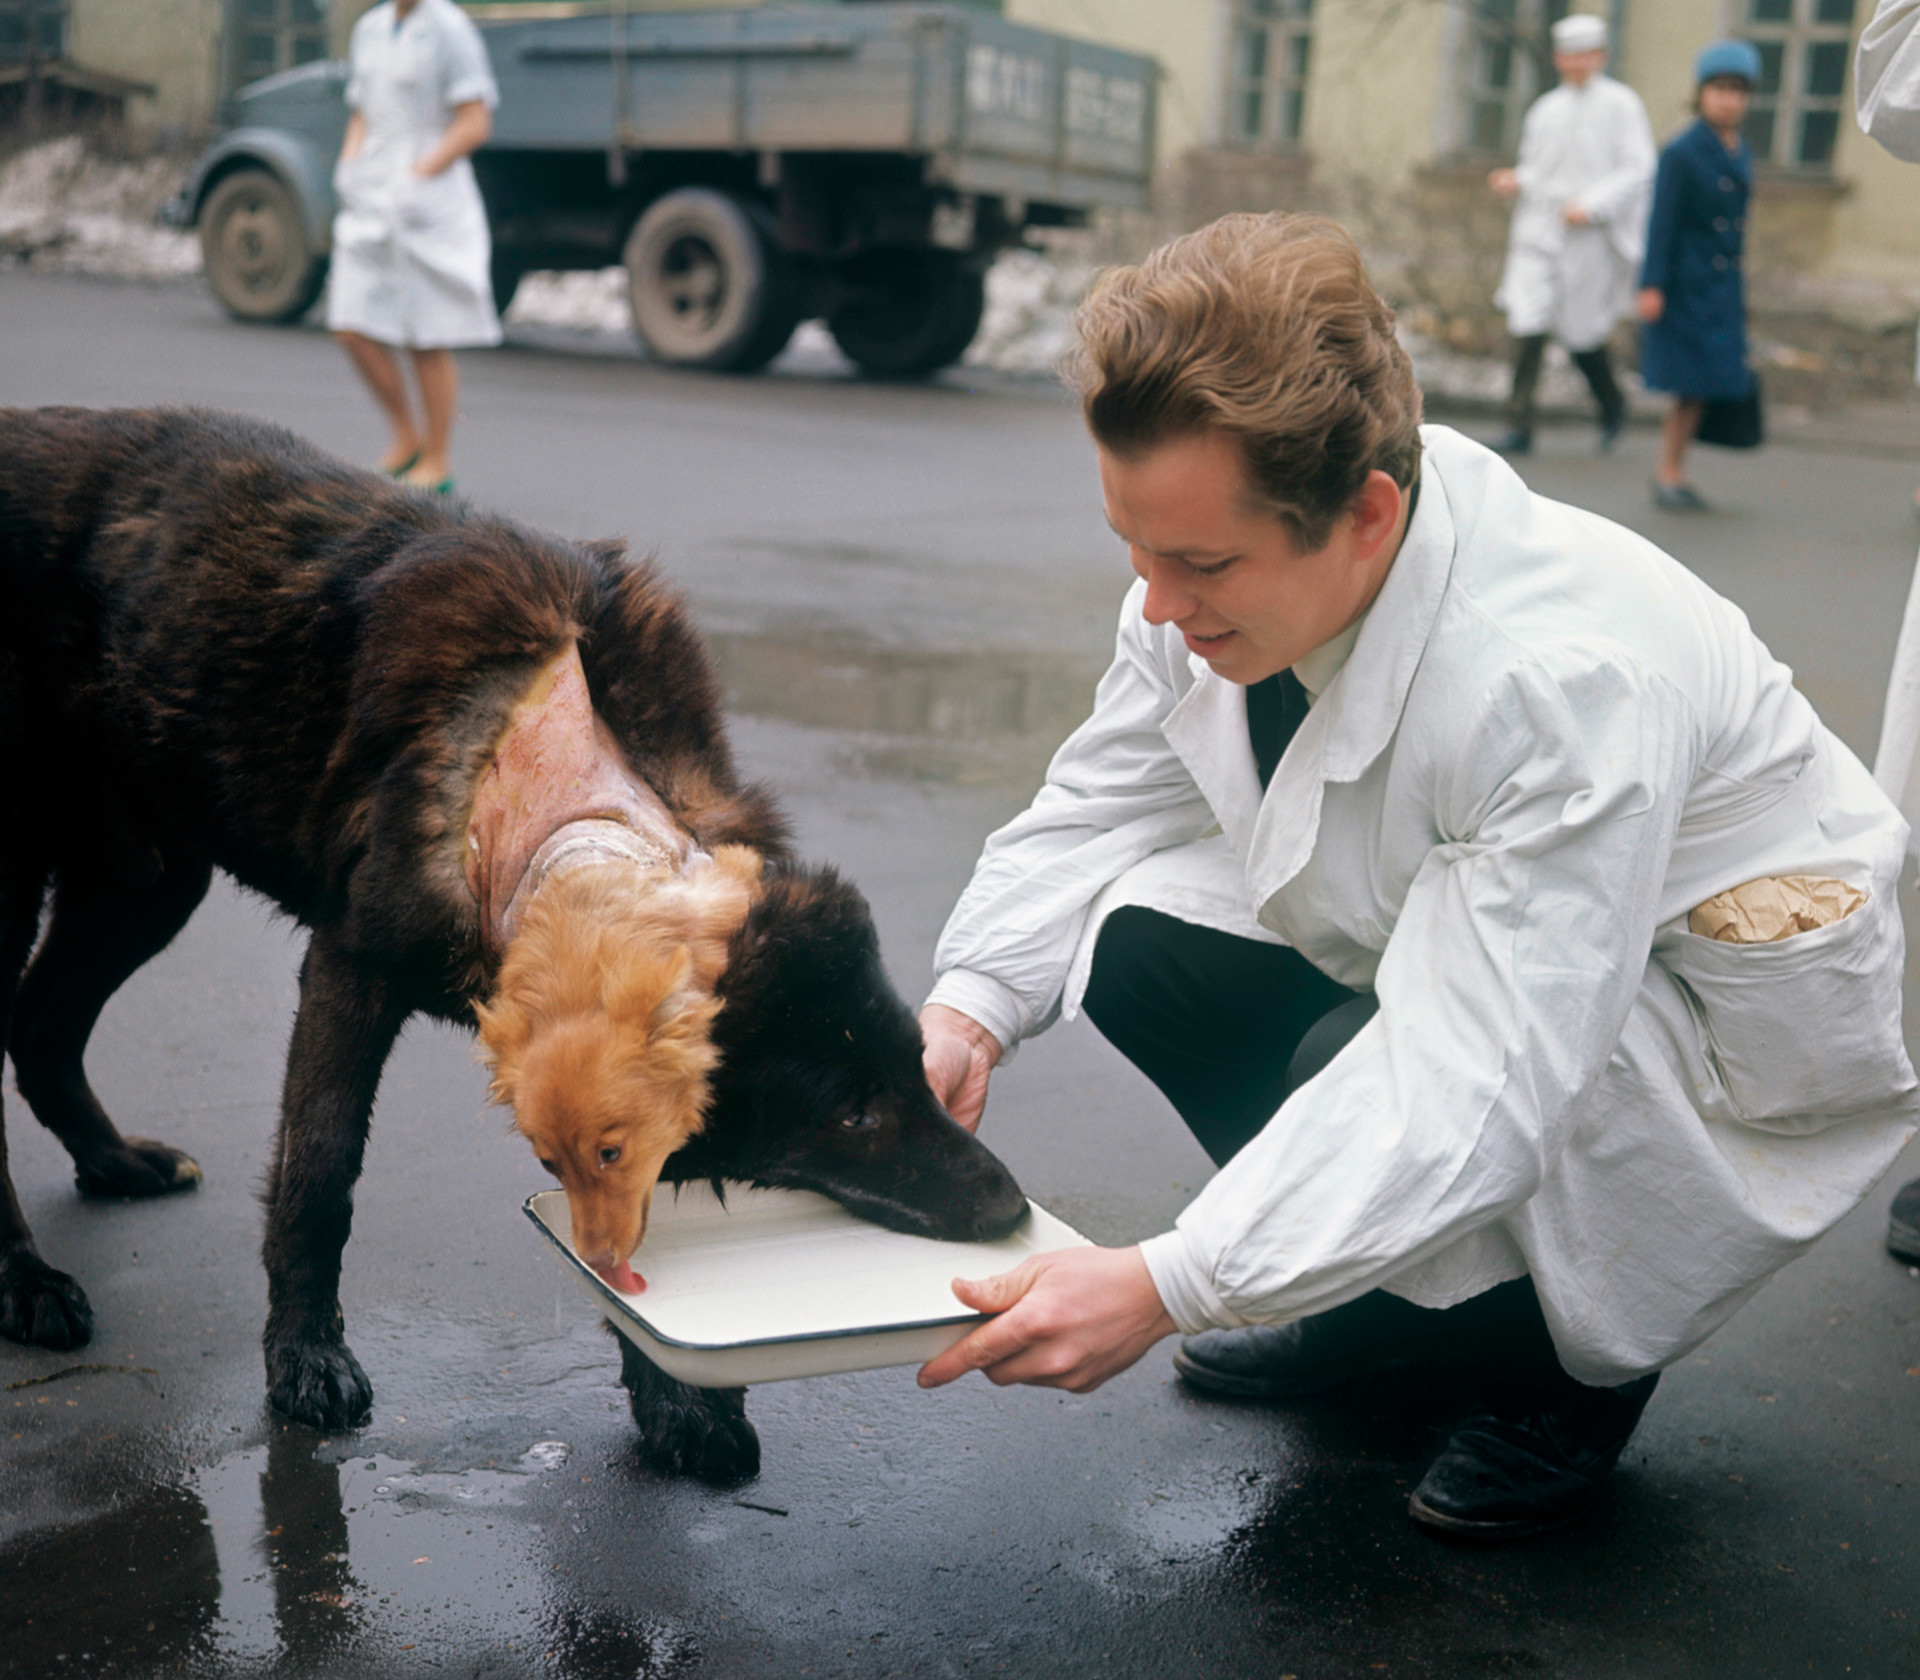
(1802, 1031)
(428, 203)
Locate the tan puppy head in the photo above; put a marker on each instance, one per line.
(599, 1035)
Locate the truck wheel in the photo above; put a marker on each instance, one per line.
(708, 285)
(253, 242)
(908, 313)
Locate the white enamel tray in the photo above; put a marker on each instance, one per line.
(784, 1283)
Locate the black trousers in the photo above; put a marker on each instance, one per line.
(1596, 367)
(1228, 1029)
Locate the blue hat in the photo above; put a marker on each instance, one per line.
(1728, 58)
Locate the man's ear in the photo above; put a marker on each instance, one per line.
(1375, 513)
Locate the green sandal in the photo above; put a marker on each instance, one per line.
(404, 468)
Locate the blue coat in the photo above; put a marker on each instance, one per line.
(1695, 243)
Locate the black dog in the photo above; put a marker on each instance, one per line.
(221, 649)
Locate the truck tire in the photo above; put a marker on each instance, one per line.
(908, 313)
(708, 286)
(253, 241)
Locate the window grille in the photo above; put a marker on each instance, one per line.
(275, 35)
(35, 29)
(1272, 47)
(1508, 63)
(1804, 45)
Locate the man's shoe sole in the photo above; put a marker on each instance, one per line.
(1273, 1388)
(1492, 1533)
(1903, 1242)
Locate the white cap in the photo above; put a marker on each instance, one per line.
(1583, 32)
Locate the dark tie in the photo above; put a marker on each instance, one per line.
(1275, 708)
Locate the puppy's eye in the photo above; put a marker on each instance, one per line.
(859, 1123)
(609, 1153)
(550, 1167)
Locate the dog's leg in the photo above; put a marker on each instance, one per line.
(347, 1023)
(99, 935)
(38, 1305)
(700, 1432)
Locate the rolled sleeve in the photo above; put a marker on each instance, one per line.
(1180, 1275)
(982, 998)
(466, 74)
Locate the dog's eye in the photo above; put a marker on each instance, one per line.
(609, 1153)
(858, 1123)
(549, 1166)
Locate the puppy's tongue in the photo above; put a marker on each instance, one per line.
(624, 1278)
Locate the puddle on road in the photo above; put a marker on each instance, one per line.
(291, 1557)
(988, 717)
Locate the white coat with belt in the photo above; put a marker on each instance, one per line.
(411, 255)
(1549, 743)
(1593, 146)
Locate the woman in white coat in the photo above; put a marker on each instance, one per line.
(411, 253)
(1473, 881)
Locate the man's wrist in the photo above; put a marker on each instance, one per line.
(982, 999)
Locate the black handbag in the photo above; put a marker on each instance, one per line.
(1734, 422)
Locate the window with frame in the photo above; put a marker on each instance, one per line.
(273, 35)
(1267, 95)
(1795, 116)
(35, 29)
(1508, 63)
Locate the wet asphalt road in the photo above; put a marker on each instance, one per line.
(910, 593)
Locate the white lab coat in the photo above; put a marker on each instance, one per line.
(1886, 91)
(1549, 744)
(411, 257)
(1590, 145)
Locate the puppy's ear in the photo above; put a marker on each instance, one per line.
(506, 1028)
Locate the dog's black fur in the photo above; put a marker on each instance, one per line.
(221, 649)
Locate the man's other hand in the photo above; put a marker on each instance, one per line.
(1070, 1319)
(1651, 304)
(1506, 182)
(1575, 214)
(960, 1055)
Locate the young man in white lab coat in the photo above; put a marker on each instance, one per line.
(1579, 224)
(1474, 883)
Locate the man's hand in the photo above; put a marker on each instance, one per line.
(1575, 214)
(1505, 182)
(1070, 1319)
(959, 1056)
(1651, 304)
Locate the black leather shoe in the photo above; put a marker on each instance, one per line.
(1506, 1478)
(1903, 1224)
(1378, 1332)
(1514, 441)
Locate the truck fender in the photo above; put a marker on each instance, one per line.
(296, 161)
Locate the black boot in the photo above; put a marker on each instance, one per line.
(1529, 352)
(1903, 1224)
(1506, 1477)
(1378, 1332)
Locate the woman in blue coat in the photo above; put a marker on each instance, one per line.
(1692, 300)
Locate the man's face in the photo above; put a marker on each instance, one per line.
(1225, 572)
(1580, 67)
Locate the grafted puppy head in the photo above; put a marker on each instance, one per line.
(820, 1084)
(599, 1034)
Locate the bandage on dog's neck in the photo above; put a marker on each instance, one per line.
(557, 794)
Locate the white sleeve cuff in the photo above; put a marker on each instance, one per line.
(980, 997)
(1186, 1291)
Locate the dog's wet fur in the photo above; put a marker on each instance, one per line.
(221, 649)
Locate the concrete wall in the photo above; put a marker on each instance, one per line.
(174, 45)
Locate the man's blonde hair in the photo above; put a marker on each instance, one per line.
(1266, 328)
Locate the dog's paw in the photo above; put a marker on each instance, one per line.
(40, 1306)
(686, 1431)
(318, 1383)
(137, 1167)
(705, 1436)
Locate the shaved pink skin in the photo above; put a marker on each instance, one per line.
(556, 763)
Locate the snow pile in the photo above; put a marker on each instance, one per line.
(582, 300)
(1028, 325)
(62, 207)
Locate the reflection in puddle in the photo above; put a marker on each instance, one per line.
(949, 716)
(290, 1557)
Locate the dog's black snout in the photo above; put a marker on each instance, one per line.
(1000, 1207)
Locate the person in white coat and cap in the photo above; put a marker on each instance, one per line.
(1886, 90)
(1476, 885)
(1579, 221)
(412, 256)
